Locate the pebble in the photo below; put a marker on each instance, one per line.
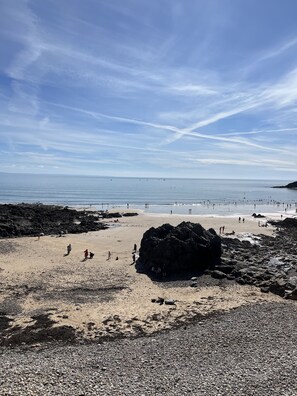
(249, 351)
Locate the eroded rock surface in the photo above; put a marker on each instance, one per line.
(34, 219)
(186, 247)
(270, 264)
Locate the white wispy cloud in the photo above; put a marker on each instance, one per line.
(84, 88)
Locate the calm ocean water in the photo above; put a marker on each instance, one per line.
(195, 196)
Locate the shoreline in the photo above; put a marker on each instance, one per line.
(202, 210)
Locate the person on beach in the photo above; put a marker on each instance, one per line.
(108, 255)
(69, 248)
(86, 253)
(134, 258)
(135, 248)
(239, 219)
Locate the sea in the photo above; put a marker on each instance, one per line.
(218, 197)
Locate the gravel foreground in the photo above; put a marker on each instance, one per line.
(251, 350)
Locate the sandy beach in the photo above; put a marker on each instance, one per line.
(102, 298)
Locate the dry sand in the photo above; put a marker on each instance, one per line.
(101, 297)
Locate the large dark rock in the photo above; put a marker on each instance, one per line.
(183, 248)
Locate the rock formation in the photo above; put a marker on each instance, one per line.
(173, 250)
(270, 264)
(34, 219)
(292, 185)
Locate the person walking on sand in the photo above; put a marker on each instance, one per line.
(108, 255)
(86, 253)
(69, 248)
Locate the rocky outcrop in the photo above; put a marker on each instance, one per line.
(258, 216)
(174, 250)
(270, 265)
(292, 185)
(34, 219)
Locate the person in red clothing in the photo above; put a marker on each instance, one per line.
(86, 253)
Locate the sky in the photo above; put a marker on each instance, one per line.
(159, 88)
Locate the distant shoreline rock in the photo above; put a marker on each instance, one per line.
(292, 186)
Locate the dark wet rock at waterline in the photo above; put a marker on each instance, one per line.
(35, 219)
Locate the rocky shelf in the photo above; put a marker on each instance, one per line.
(18, 220)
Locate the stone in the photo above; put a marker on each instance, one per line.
(169, 302)
(291, 294)
(227, 269)
(278, 286)
(218, 274)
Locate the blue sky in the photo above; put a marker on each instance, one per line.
(160, 88)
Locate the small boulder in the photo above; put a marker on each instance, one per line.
(218, 274)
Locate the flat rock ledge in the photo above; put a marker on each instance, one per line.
(18, 220)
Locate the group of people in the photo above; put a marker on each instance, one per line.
(90, 255)
(87, 255)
